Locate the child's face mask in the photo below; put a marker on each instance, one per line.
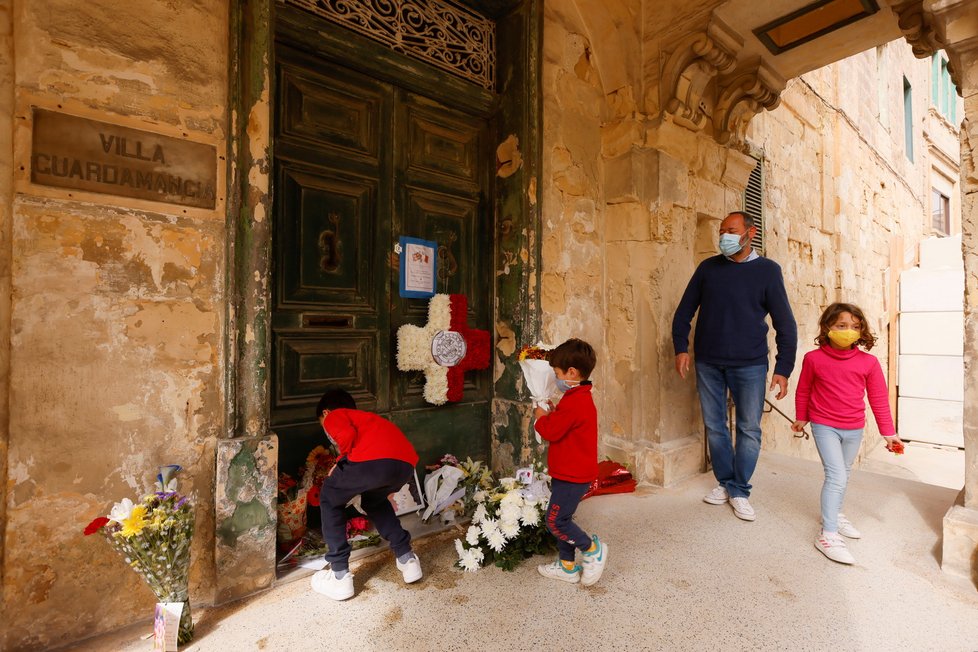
(844, 338)
(564, 385)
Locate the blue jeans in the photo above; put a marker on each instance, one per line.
(838, 449)
(732, 468)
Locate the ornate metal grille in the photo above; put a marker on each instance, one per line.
(435, 31)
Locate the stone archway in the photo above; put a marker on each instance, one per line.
(715, 80)
(673, 151)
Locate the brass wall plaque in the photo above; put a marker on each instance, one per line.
(83, 154)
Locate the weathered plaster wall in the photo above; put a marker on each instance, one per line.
(117, 312)
(6, 210)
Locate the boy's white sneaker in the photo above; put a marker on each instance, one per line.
(847, 529)
(742, 509)
(411, 569)
(325, 582)
(832, 546)
(716, 497)
(593, 562)
(556, 571)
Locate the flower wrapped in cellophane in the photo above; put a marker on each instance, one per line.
(154, 537)
(508, 524)
(450, 486)
(540, 379)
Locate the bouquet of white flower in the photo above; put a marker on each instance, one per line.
(507, 525)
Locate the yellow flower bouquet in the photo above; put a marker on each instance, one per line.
(154, 536)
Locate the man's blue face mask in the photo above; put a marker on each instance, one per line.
(730, 243)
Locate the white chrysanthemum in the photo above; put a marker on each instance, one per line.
(510, 513)
(530, 515)
(472, 535)
(479, 514)
(488, 525)
(459, 548)
(479, 496)
(477, 554)
(509, 529)
(468, 561)
(514, 497)
(496, 540)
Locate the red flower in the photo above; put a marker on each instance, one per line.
(96, 525)
(313, 496)
(356, 525)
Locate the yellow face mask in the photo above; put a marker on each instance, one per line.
(844, 339)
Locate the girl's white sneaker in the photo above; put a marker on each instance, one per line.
(832, 546)
(847, 529)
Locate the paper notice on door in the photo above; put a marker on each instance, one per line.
(418, 267)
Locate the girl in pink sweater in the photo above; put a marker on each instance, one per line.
(834, 380)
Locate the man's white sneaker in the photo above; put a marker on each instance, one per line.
(742, 509)
(593, 562)
(833, 547)
(556, 571)
(411, 569)
(325, 582)
(847, 529)
(716, 497)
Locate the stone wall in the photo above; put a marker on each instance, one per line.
(116, 308)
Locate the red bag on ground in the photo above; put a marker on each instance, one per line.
(613, 478)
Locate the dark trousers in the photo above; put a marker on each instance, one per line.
(564, 499)
(373, 481)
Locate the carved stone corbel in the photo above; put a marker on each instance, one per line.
(743, 95)
(917, 28)
(687, 76)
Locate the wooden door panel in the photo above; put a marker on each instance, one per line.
(341, 112)
(326, 218)
(460, 429)
(307, 364)
(439, 196)
(442, 145)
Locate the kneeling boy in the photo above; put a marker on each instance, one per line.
(375, 460)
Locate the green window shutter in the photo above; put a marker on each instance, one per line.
(935, 79)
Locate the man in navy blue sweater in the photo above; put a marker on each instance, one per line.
(734, 293)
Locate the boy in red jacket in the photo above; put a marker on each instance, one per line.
(375, 460)
(572, 430)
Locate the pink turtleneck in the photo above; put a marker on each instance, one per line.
(832, 386)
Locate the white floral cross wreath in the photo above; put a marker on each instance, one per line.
(444, 349)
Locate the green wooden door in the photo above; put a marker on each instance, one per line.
(360, 161)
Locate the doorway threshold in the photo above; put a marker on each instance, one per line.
(287, 573)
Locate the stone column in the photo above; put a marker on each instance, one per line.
(956, 21)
